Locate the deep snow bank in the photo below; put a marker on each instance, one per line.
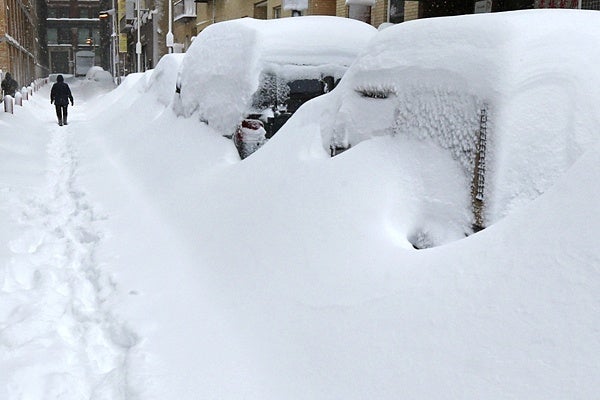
(290, 274)
(429, 80)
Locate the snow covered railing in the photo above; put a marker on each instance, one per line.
(38, 83)
(24, 94)
(8, 104)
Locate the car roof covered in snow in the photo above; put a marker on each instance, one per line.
(221, 69)
(305, 40)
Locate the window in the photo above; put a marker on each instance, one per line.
(396, 11)
(277, 12)
(260, 10)
(558, 4)
(591, 4)
(83, 34)
(52, 34)
(84, 13)
(64, 35)
(360, 12)
(184, 9)
(62, 12)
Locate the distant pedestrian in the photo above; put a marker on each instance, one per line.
(60, 96)
(9, 85)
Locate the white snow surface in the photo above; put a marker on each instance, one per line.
(140, 259)
(222, 68)
(98, 74)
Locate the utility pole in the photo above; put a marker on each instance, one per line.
(115, 42)
(169, 38)
(138, 45)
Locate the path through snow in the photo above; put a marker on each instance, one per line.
(58, 339)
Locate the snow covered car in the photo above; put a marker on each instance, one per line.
(488, 97)
(262, 71)
(273, 104)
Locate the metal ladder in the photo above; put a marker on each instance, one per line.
(478, 184)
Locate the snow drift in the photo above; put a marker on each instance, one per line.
(530, 71)
(142, 260)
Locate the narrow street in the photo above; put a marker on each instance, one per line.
(142, 259)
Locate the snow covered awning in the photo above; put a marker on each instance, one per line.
(360, 2)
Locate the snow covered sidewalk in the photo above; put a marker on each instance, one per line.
(57, 338)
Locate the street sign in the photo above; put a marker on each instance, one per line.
(122, 43)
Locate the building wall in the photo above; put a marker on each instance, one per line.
(379, 13)
(154, 17)
(277, 4)
(322, 7)
(19, 51)
(591, 4)
(556, 3)
(232, 9)
(183, 32)
(411, 10)
(4, 50)
(341, 10)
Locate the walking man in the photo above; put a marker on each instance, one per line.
(60, 96)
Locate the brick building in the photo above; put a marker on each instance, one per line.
(22, 47)
(190, 17)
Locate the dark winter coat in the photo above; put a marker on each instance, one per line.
(9, 85)
(61, 94)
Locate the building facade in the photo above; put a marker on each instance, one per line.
(22, 44)
(77, 39)
(143, 25)
(190, 17)
(377, 12)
